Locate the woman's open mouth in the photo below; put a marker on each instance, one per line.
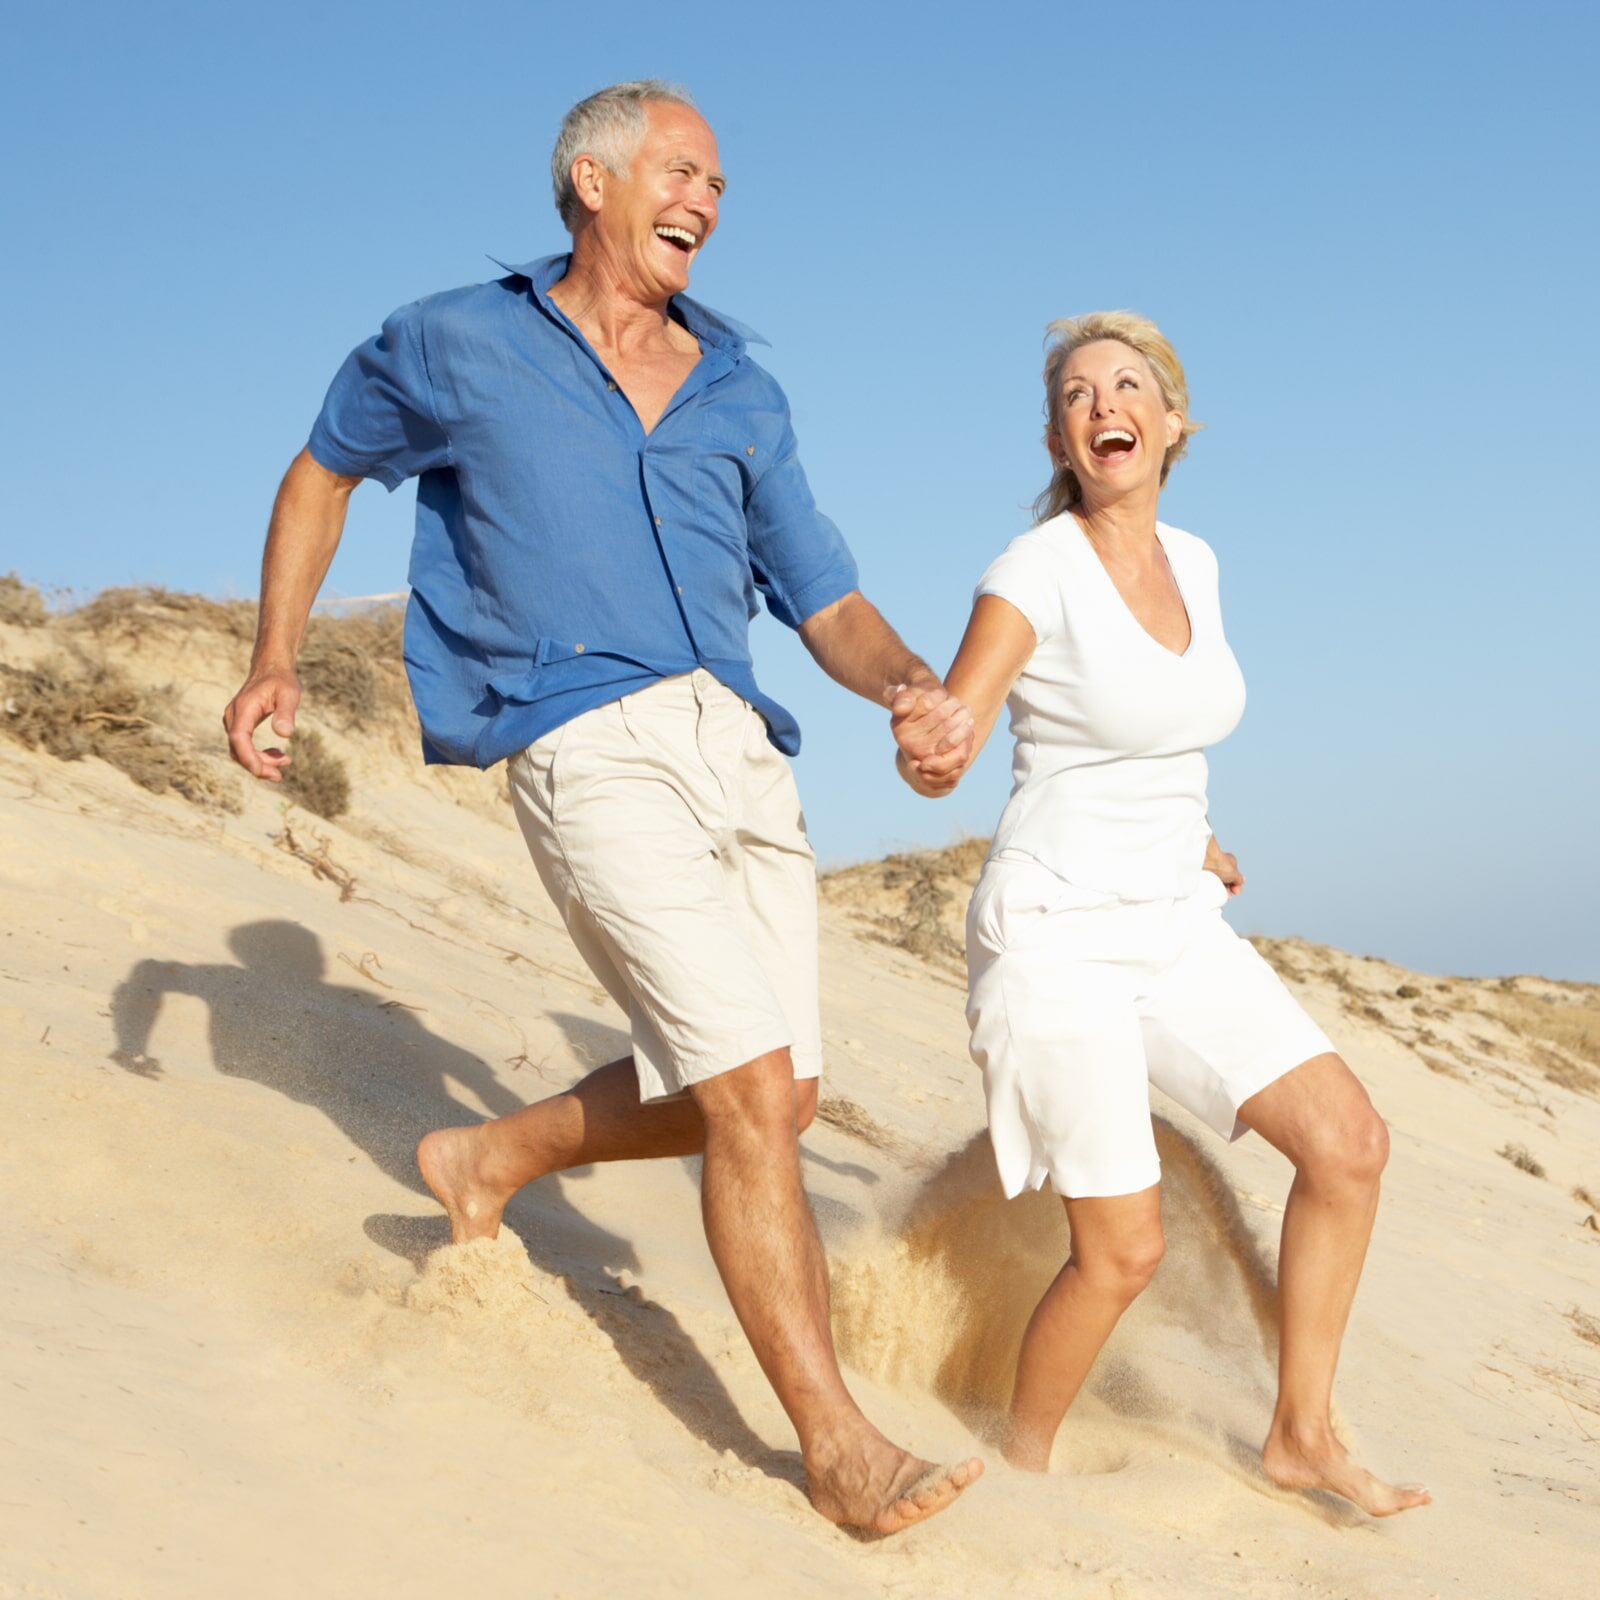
(1112, 442)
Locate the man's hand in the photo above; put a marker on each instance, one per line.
(1224, 865)
(934, 732)
(270, 692)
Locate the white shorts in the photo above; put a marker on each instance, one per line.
(668, 832)
(1078, 1001)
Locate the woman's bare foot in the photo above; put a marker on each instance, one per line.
(452, 1163)
(1026, 1453)
(1326, 1464)
(879, 1489)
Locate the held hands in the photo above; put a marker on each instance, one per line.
(273, 692)
(934, 732)
(1225, 866)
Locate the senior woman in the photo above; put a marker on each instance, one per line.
(1097, 954)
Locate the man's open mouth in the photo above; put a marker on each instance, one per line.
(679, 237)
(1112, 442)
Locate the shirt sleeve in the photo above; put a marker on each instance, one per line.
(379, 419)
(798, 558)
(1023, 575)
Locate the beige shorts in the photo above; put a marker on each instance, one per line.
(667, 830)
(1079, 1001)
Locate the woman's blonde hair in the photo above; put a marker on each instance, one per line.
(1062, 337)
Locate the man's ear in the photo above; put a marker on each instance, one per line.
(588, 182)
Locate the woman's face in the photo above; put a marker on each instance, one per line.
(1114, 428)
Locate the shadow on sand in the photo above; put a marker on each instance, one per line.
(384, 1079)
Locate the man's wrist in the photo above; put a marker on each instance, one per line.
(914, 674)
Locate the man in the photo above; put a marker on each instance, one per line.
(607, 481)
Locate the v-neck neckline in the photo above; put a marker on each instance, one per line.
(1121, 599)
(685, 391)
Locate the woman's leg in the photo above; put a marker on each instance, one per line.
(1319, 1116)
(1116, 1244)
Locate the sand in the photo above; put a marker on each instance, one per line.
(240, 1358)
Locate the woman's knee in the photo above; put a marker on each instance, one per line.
(1122, 1266)
(1354, 1149)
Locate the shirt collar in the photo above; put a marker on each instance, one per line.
(722, 332)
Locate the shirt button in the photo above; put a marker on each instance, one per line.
(578, 649)
(612, 385)
(658, 522)
(680, 588)
(749, 449)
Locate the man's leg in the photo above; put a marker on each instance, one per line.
(765, 1245)
(475, 1171)
(762, 1237)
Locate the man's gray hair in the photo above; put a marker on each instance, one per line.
(608, 126)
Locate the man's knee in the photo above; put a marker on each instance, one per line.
(805, 1103)
(758, 1099)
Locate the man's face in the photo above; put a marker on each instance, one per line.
(654, 221)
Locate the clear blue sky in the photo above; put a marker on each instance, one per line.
(1369, 229)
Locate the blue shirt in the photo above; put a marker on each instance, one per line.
(563, 557)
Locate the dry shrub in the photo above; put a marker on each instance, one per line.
(20, 603)
(1408, 991)
(352, 666)
(1519, 1157)
(316, 778)
(74, 706)
(915, 902)
(1584, 1197)
(131, 613)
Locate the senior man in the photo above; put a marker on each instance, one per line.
(607, 481)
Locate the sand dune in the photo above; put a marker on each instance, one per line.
(239, 1362)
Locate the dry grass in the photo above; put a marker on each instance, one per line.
(316, 855)
(1519, 1157)
(1586, 1327)
(1561, 1023)
(848, 1117)
(1276, 953)
(316, 778)
(20, 603)
(132, 614)
(1585, 1197)
(74, 706)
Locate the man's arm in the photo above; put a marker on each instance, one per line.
(307, 521)
(855, 646)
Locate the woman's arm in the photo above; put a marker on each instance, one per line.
(994, 650)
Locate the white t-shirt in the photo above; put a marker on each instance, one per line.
(1109, 775)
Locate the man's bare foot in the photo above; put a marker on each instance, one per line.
(1328, 1465)
(451, 1161)
(879, 1489)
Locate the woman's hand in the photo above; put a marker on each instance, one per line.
(929, 786)
(934, 733)
(1224, 865)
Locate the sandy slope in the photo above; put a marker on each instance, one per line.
(232, 1366)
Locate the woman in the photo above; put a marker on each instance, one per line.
(1097, 955)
